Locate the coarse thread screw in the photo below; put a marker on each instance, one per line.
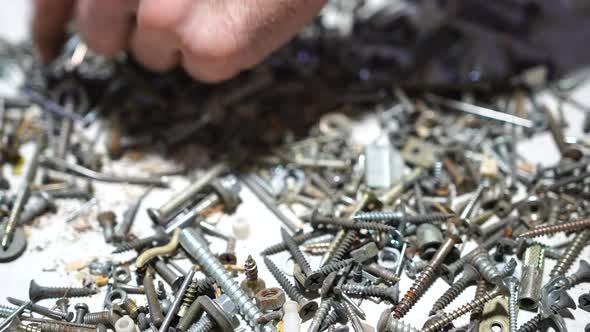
(353, 317)
(582, 275)
(196, 246)
(61, 327)
(447, 318)
(37, 293)
(107, 317)
(532, 325)
(335, 266)
(480, 290)
(351, 224)
(313, 280)
(337, 314)
(344, 247)
(205, 324)
(6, 311)
(552, 229)
(396, 325)
(306, 308)
(571, 253)
(424, 280)
(382, 272)
(251, 269)
(512, 283)
(282, 246)
(386, 293)
(320, 314)
(195, 289)
(484, 264)
(470, 276)
(389, 216)
(137, 244)
(28, 328)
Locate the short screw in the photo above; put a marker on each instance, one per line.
(306, 308)
(47, 312)
(470, 276)
(252, 284)
(37, 293)
(107, 221)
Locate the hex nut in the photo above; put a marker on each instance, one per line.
(270, 298)
(122, 274)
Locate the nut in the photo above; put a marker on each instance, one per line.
(122, 274)
(270, 298)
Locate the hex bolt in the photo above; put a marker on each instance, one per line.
(552, 229)
(531, 278)
(253, 283)
(571, 253)
(306, 308)
(81, 311)
(170, 276)
(36, 206)
(447, 318)
(470, 276)
(37, 293)
(385, 293)
(485, 265)
(425, 279)
(107, 221)
(22, 194)
(196, 246)
(154, 308)
(313, 279)
(185, 196)
(47, 312)
(220, 315)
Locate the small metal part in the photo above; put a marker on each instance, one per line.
(420, 153)
(220, 315)
(171, 277)
(37, 293)
(252, 284)
(17, 245)
(270, 298)
(383, 167)
(531, 277)
(495, 315)
(428, 239)
(115, 297)
(122, 274)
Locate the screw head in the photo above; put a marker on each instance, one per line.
(307, 310)
(314, 280)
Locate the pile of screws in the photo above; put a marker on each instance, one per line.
(424, 187)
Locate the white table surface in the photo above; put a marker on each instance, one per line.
(53, 244)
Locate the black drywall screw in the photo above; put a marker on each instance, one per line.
(48, 312)
(313, 280)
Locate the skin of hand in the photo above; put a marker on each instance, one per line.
(212, 39)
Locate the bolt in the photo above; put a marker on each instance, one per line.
(426, 277)
(313, 279)
(107, 221)
(552, 229)
(306, 308)
(196, 246)
(107, 317)
(37, 293)
(571, 253)
(470, 276)
(47, 312)
(185, 197)
(130, 307)
(447, 318)
(154, 308)
(22, 194)
(81, 311)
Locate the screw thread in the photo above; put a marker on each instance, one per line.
(293, 293)
(251, 269)
(131, 307)
(353, 224)
(344, 246)
(480, 291)
(28, 328)
(42, 293)
(531, 325)
(450, 294)
(197, 247)
(552, 229)
(320, 314)
(396, 325)
(357, 273)
(205, 324)
(512, 305)
(447, 318)
(62, 327)
(100, 317)
(335, 266)
(428, 218)
(485, 266)
(374, 291)
(6, 311)
(139, 243)
(382, 273)
(195, 289)
(389, 216)
(571, 253)
(282, 246)
(298, 256)
(416, 291)
(337, 313)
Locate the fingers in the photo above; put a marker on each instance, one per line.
(49, 21)
(106, 25)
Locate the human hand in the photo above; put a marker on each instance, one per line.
(213, 39)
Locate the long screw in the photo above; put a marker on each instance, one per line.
(342, 248)
(173, 310)
(480, 290)
(470, 276)
(320, 314)
(306, 308)
(386, 293)
(313, 280)
(37, 293)
(447, 318)
(571, 253)
(196, 246)
(129, 217)
(353, 317)
(47, 312)
(137, 244)
(154, 307)
(390, 216)
(351, 224)
(552, 229)
(424, 280)
(282, 246)
(513, 303)
(23, 194)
